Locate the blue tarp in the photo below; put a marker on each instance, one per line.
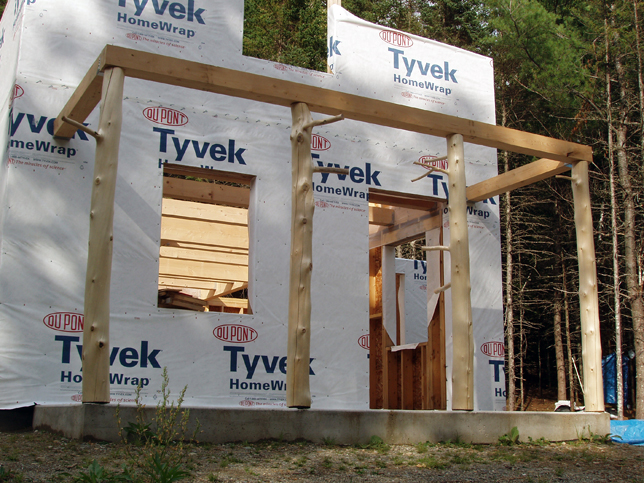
(609, 370)
(629, 432)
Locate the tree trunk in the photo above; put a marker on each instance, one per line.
(571, 374)
(521, 338)
(640, 82)
(561, 369)
(615, 247)
(509, 313)
(630, 246)
(559, 352)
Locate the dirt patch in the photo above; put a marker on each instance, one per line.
(38, 456)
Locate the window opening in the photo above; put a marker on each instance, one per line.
(203, 255)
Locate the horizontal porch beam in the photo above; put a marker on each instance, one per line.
(193, 75)
(516, 178)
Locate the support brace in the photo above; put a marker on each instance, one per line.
(82, 127)
(430, 169)
(322, 122)
(329, 169)
(431, 249)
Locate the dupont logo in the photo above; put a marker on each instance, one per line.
(65, 321)
(396, 38)
(237, 334)
(132, 36)
(425, 159)
(246, 403)
(77, 397)
(319, 143)
(17, 92)
(428, 160)
(165, 116)
(321, 204)
(280, 66)
(493, 349)
(407, 94)
(363, 341)
(423, 288)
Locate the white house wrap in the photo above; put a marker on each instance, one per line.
(226, 359)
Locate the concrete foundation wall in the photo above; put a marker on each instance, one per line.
(343, 427)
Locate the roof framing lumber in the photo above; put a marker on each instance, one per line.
(204, 256)
(381, 216)
(224, 289)
(178, 72)
(516, 178)
(213, 174)
(167, 282)
(188, 245)
(204, 212)
(404, 232)
(229, 302)
(173, 268)
(204, 232)
(398, 200)
(218, 194)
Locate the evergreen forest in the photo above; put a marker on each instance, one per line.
(568, 69)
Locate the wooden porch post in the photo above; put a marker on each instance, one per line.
(459, 250)
(298, 393)
(591, 349)
(96, 340)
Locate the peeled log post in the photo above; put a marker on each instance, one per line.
(459, 249)
(96, 333)
(591, 349)
(298, 393)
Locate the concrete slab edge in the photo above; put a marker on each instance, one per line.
(222, 425)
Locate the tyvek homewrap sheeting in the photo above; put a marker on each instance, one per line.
(414, 71)
(46, 202)
(10, 29)
(415, 298)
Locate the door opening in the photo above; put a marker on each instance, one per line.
(404, 374)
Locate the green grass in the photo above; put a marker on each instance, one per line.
(432, 463)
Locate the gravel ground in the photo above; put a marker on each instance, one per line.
(37, 456)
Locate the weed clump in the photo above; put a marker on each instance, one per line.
(155, 450)
(510, 438)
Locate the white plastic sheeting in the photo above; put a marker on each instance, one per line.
(45, 188)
